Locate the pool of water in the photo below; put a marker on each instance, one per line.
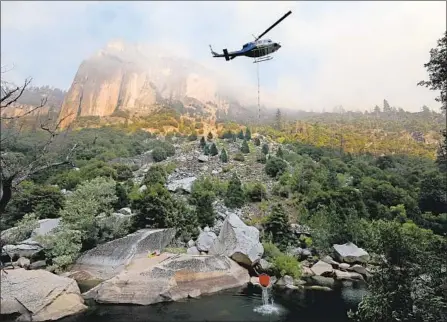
(238, 305)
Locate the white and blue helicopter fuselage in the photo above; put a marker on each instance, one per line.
(254, 49)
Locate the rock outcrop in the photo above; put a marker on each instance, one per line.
(238, 241)
(350, 253)
(39, 295)
(29, 247)
(163, 278)
(109, 259)
(184, 184)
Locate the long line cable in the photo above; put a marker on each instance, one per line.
(259, 105)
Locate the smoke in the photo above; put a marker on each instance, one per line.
(353, 54)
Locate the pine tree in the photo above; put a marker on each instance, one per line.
(247, 134)
(241, 135)
(244, 147)
(234, 197)
(206, 149)
(265, 148)
(224, 156)
(213, 150)
(257, 142)
(202, 142)
(278, 120)
(279, 153)
(278, 226)
(210, 136)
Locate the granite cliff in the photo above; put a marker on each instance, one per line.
(138, 80)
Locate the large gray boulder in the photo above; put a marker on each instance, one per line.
(28, 247)
(153, 280)
(39, 295)
(322, 269)
(205, 241)
(109, 259)
(350, 253)
(238, 241)
(184, 184)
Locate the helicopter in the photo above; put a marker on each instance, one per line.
(258, 49)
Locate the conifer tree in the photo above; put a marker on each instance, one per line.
(244, 147)
(206, 149)
(278, 226)
(224, 156)
(213, 150)
(202, 142)
(210, 136)
(234, 197)
(241, 135)
(279, 153)
(247, 134)
(265, 148)
(257, 142)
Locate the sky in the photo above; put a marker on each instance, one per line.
(354, 54)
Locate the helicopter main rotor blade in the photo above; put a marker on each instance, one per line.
(274, 25)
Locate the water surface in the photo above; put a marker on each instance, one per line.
(237, 305)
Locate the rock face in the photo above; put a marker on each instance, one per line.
(137, 79)
(181, 276)
(39, 295)
(109, 259)
(184, 184)
(350, 253)
(205, 241)
(322, 269)
(29, 247)
(238, 241)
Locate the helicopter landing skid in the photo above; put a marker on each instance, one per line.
(260, 60)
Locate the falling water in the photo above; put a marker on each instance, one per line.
(267, 307)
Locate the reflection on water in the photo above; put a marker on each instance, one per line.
(237, 305)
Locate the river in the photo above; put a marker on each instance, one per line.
(238, 305)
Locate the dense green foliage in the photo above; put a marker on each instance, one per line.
(244, 147)
(223, 156)
(213, 150)
(275, 166)
(234, 197)
(203, 196)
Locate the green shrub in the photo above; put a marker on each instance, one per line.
(247, 134)
(256, 191)
(271, 251)
(244, 147)
(261, 158)
(155, 174)
(224, 156)
(275, 166)
(257, 142)
(213, 150)
(234, 197)
(265, 148)
(159, 154)
(239, 157)
(286, 265)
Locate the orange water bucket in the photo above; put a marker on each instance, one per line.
(264, 280)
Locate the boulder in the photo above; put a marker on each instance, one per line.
(322, 269)
(191, 243)
(340, 275)
(359, 269)
(300, 253)
(28, 247)
(39, 295)
(184, 184)
(22, 250)
(265, 265)
(329, 260)
(153, 280)
(344, 266)
(38, 264)
(23, 262)
(142, 188)
(108, 259)
(307, 272)
(285, 280)
(203, 158)
(125, 211)
(205, 240)
(350, 253)
(238, 241)
(193, 251)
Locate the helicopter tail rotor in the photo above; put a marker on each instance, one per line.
(213, 52)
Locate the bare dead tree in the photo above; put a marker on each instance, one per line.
(13, 172)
